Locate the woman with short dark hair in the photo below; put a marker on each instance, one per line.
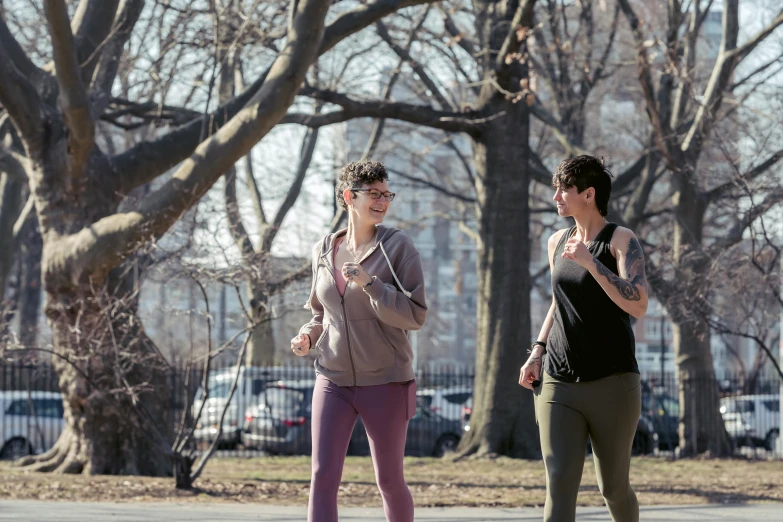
(367, 293)
(590, 384)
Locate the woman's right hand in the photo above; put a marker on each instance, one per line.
(530, 371)
(300, 344)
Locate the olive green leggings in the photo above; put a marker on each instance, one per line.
(608, 411)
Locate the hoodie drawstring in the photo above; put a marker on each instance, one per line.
(394, 274)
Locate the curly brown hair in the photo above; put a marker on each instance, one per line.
(356, 174)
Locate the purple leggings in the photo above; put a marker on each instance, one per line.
(385, 410)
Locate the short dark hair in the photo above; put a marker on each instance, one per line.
(358, 173)
(584, 172)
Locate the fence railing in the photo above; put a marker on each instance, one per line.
(270, 412)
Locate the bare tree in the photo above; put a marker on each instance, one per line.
(685, 120)
(77, 190)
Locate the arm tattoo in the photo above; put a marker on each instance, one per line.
(634, 267)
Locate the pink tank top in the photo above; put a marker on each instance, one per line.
(338, 273)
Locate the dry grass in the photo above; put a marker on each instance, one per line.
(481, 482)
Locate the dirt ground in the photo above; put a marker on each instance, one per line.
(433, 482)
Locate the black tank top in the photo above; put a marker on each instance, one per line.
(591, 337)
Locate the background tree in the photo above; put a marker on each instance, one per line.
(78, 188)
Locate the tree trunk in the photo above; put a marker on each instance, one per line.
(30, 281)
(10, 206)
(503, 420)
(701, 426)
(114, 383)
(261, 348)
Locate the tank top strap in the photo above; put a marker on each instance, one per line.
(561, 244)
(606, 233)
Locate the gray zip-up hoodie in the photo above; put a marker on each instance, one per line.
(362, 337)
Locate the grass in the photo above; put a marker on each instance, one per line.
(433, 482)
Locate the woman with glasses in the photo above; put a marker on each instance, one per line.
(367, 293)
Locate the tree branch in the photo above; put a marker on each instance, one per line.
(418, 68)
(148, 160)
(459, 36)
(17, 55)
(430, 184)
(305, 158)
(744, 50)
(250, 178)
(357, 19)
(19, 98)
(752, 174)
(92, 24)
(645, 76)
(723, 71)
(236, 226)
(469, 122)
(539, 170)
(73, 94)
(735, 235)
(14, 164)
(561, 135)
(517, 32)
(106, 68)
(101, 246)
(631, 174)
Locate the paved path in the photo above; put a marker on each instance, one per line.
(200, 512)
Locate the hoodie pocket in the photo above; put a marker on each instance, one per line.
(334, 350)
(370, 346)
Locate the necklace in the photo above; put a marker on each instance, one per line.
(361, 251)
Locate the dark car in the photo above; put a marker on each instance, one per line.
(645, 439)
(280, 422)
(429, 435)
(664, 412)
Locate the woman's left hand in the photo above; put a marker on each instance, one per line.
(354, 272)
(576, 251)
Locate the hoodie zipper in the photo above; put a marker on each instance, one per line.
(325, 256)
(348, 335)
(345, 316)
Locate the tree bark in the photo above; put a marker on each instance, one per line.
(114, 384)
(10, 206)
(261, 348)
(701, 425)
(30, 251)
(503, 419)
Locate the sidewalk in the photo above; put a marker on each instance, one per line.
(202, 512)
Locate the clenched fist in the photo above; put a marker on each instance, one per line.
(300, 345)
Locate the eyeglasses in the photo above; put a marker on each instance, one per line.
(376, 194)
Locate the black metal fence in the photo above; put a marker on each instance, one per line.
(270, 411)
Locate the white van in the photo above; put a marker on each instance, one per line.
(252, 380)
(30, 422)
(752, 420)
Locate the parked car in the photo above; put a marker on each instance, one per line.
(251, 383)
(446, 402)
(752, 420)
(279, 422)
(464, 417)
(645, 440)
(30, 422)
(429, 434)
(664, 412)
